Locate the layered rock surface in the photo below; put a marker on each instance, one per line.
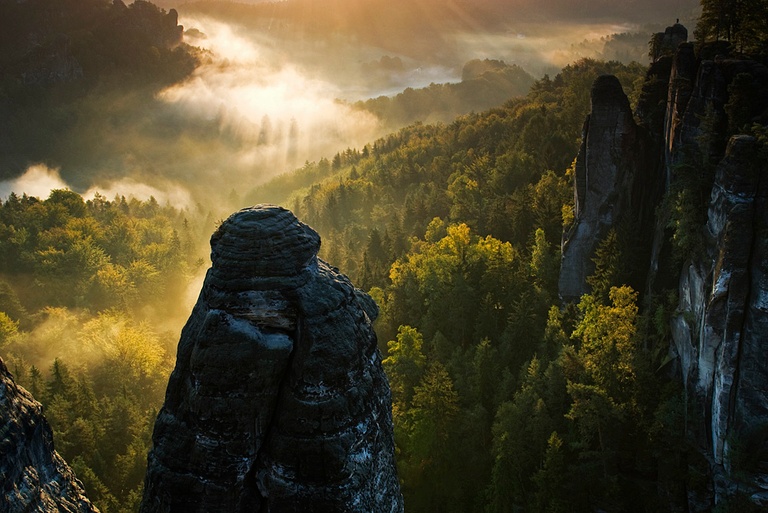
(689, 104)
(611, 183)
(33, 477)
(278, 401)
(719, 334)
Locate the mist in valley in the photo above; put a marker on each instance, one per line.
(112, 180)
(277, 86)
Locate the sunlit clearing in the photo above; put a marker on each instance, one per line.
(38, 180)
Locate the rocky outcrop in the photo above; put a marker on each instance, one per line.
(143, 20)
(719, 333)
(611, 184)
(34, 478)
(666, 43)
(718, 330)
(692, 100)
(278, 401)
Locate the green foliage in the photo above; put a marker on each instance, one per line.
(484, 84)
(98, 254)
(454, 229)
(687, 199)
(102, 411)
(742, 22)
(490, 171)
(85, 287)
(8, 329)
(119, 58)
(744, 93)
(404, 365)
(608, 266)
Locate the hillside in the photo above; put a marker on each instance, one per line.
(571, 292)
(65, 66)
(454, 230)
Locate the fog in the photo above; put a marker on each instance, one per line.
(277, 82)
(281, 115)
(37, 180)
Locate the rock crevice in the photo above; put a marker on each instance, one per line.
(694, 97)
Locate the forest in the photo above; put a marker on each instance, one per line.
(87, 328)
(503, 399)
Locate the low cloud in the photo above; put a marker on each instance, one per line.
(38, 180)
(166, 194)
(277, 114)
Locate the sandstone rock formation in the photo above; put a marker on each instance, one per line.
(719, 334)
(691, 103)
(666, 43)
(33, 477)
(612, 179)
(278, 401)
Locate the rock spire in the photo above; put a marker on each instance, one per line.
(278, 401)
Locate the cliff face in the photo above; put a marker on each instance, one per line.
(692, 100)
(278, 401)
(720, 327)
(34, 477)
(720, 332)
(612, 181)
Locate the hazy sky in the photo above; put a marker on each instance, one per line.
(269, 97)
(629, 11)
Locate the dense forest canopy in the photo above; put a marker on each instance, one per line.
(87, 327)
(502, 399)
(421, 217)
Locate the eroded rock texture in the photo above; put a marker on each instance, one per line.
(612, 181)
(278, 401)
(720, 332)
(33, 477)
(691, 103)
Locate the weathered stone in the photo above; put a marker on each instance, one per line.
(611, 185)
(719, 334)
(681, 80)
(719, 331)
(278, 401)
(34, 477)
(666, 43)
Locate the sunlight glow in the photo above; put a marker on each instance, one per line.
(38, 180)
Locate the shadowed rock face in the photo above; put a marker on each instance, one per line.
(33, 477)
(721, 324)
(278, 401)
(610, 185)
(719, 335)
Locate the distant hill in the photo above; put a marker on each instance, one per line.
(485, 84)
(59, 59)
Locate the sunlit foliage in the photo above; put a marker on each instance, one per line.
(83, 302)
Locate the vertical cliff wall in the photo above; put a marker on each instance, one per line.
(612, 182)
(33, 477)
(692, 101)
(278, 401)
(720, 332)
(720, 328)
